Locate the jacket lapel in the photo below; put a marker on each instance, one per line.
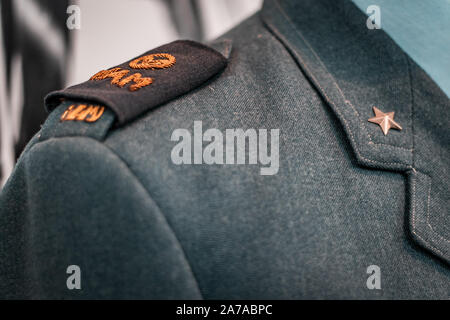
(354, 69)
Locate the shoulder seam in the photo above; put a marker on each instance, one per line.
(146, 191)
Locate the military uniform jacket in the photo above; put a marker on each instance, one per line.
(107, 187)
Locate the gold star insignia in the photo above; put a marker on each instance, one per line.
(385, 120)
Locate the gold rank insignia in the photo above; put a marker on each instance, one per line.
(83, 112)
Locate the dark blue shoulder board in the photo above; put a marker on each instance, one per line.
(147, 81)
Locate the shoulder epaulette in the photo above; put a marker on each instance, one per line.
(122, 93)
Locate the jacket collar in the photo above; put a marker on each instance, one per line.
(354, 69)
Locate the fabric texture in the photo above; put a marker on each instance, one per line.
(345, 197)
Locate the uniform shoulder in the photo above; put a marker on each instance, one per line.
(124, 92)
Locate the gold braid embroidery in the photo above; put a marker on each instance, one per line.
(83, 113)
(154, 61)
(151, 61)
(139, 81)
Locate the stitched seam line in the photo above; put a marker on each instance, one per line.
(408, 62)
(337, 109)
(415, 171)
(414, 219)
(331, 76)
(148, 195)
